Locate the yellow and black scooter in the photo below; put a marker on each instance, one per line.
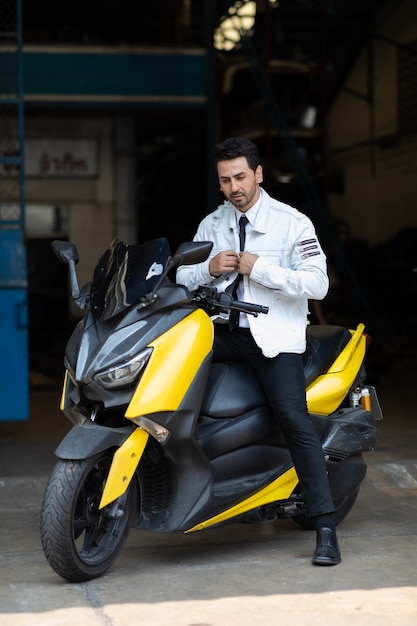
(164, 440)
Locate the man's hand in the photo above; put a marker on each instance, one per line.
(225, 261)
(246, 262)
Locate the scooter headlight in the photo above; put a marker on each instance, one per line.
(124, 373)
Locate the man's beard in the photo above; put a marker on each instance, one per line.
(242, 202)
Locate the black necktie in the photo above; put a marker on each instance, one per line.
(242, 233)
(234, 315)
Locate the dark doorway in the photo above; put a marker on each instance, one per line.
(171, 174)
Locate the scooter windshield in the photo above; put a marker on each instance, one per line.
(125, 274)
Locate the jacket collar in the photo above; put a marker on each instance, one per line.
(260, 224)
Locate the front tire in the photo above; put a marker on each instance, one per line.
(80, 541)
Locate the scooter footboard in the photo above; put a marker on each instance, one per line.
(350, 431)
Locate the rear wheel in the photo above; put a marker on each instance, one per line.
(342, 508)
(80, 541)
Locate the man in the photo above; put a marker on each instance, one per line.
(281, 266)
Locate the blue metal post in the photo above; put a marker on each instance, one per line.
(14, 367)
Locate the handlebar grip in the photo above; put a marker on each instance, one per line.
(248, 307)
(264, 309)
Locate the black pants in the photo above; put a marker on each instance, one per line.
(283, 381)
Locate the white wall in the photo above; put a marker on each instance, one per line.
(90, 200)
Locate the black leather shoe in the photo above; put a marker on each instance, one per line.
(327, 549)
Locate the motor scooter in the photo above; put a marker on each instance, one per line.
(165, 440)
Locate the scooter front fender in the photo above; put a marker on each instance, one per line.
(124, 464)
(86, 440)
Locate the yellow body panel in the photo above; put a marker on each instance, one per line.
(64, 389)
(279, 489)
(175, 360)
(326, 393)
(125, 462)
(345, 356)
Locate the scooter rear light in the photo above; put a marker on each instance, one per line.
(158, 432)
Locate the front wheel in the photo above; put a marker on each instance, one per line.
(80, 541)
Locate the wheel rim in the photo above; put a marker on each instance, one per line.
(95, 533)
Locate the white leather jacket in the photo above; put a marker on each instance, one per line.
(290, 270)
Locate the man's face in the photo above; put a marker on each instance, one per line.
(239, 183)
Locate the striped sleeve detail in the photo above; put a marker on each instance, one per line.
(308, 248)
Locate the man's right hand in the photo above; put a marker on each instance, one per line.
(225, 261)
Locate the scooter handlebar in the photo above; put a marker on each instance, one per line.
(223, 302)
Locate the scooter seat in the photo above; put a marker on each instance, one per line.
(233, 387)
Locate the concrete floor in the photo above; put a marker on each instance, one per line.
(243, 574)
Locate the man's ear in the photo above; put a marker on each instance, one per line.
(259, 174)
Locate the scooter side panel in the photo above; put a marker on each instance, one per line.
(279, 489)
(344, 357)
(175, 361)
(327, 392)
(350, 431)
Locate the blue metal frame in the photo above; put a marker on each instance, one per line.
(14, 360)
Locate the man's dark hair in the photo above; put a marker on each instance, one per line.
(235, 147)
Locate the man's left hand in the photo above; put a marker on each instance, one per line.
(246, 262)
